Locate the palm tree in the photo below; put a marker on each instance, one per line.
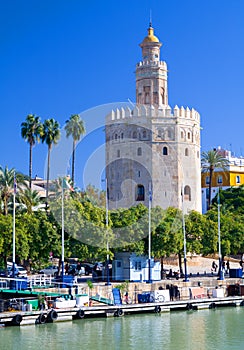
(7, 179)
(50, 135)
(74, 127)
(31, 130)
(210, 161)
(29, 198)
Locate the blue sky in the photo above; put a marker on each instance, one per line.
(64, 57)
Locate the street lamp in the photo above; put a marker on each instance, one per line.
(186, 279)
(149, 232)
(221, 274)
(106, 204)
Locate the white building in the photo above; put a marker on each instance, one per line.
(153, 147)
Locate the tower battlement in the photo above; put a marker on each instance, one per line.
(150, 111)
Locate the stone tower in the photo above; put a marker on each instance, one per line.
(151, 148)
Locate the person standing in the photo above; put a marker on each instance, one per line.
(228, 266)
(78, 268)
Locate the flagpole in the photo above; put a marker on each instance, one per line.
(106, 203)
(149, 232)
(14, 195)
(221, 275)
(62, 215)
(186, 279)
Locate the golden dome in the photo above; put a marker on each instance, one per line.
(150, 38)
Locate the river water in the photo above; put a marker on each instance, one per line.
(205, 329)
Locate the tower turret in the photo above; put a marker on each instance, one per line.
(151, 73)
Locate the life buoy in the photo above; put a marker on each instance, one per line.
(80, 314)
(41, 319)
(17, 320)
(53, 315)
(157, 309)
(118, 313)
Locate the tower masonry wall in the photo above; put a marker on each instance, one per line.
(154, 130)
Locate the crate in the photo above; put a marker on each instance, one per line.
(235, 273)
(34, 303)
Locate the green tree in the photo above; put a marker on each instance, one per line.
(31, 131)
(210, 161)
(6, 238)
(29, 199)
(195, 226)
(231, 231)
(43, 237)
(50, 135)
(231, 199)
(7, 185)
(167, 238)
(74, 127)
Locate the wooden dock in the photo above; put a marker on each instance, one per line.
(21, 318)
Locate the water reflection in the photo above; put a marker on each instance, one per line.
(205, 329)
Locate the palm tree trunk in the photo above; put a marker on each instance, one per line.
(48, 171)
(73, 164)
(210, 187)
(30, 165)
(5, 204)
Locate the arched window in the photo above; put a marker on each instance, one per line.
(118, 153)
(122, 135)
(139, 151)
(188, 135)
(116, 136)
(182, 134)
(144, 134)
(134, 135)
(186, 152)
(140, 193)
(165, 151)
(187, 193)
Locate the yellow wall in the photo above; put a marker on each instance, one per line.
(228, 178)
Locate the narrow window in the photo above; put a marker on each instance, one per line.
(139, 151)
(134, 135)
(140, 193)
(220, 179)
(144, 134)
(238, 180)
(165, 151)
(116, 136)
(118, 153)
(207, 180)
(187, 193)
(186, 152)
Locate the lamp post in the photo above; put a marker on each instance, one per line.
(221, 274)
(149, 232)
(14, 195)
(107, 245)
(186, 279)
(62, 220)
